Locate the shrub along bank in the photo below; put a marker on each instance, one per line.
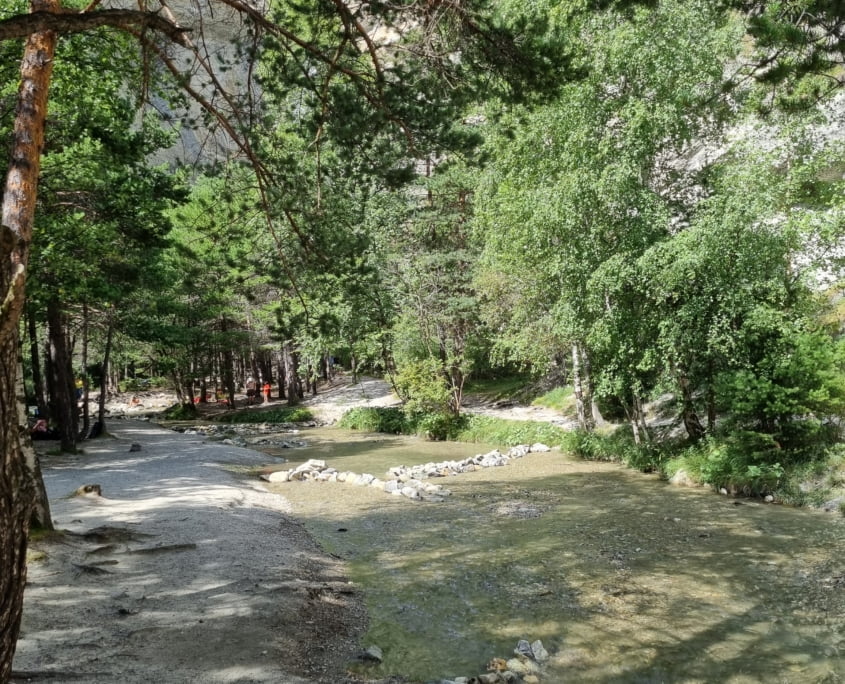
(806, 469)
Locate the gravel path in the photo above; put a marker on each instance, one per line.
(184, 570)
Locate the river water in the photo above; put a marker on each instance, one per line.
(623, 577)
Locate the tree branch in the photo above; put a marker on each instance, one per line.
(23, 25)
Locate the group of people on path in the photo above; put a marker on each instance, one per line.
(252, 391)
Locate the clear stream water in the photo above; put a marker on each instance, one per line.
(623, 577)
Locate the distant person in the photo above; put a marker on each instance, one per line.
(250, 390)
(266, 390)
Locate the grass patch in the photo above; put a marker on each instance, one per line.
(281, 414)
(494, 389)
(560, 399)
(508, 432)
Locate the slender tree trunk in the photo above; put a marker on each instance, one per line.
(63, 400)
(589, 390)
(17, 473)
(280, 372)
(581, 390)
(86, 412)
(104, 377)
(292, 390)
(228, 365)
(692, 424)
(630, 414)
(638, 405)
(35, 360)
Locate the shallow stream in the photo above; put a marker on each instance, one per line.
(623, 577)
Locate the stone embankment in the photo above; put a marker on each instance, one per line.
(411, 482)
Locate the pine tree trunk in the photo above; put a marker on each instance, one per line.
(86, 413)
(35, 361)
(63, 398)
(17, 477)
(104, 378)
(291, 390)
(280, 372)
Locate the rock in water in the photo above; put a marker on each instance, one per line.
(523, 648)
(89, 490)
(135, 447)
(541, 655)
(373, 654)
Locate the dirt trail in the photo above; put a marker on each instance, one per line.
(183, 571)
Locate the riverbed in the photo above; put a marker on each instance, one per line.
(623, 577)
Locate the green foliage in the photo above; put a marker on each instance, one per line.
(490, 430)
(274, 416)
(746, 462)
(798, 375)
(390, 420)
(420, 383)
(617, 446)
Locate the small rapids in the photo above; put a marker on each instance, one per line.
(623, 577)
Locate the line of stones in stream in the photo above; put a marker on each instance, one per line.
(407, 481)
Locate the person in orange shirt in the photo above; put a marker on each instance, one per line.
(266, 390)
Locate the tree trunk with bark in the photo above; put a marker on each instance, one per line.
(692, 423)
(86, 413)
(104, 378)
(580, 384)
(63, 398)
(35, 361)
(291, 375)
(17, 473)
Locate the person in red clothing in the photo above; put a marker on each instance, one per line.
(266, 390)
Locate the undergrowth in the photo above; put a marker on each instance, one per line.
(463, 428)
(280, 414)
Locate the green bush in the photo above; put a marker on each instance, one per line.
(742, 462)
(437, 426)
(617, 446)
(281, 414)
(391, 420)
(421, 386)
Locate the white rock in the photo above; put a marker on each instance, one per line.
(411, 493)
(378, 484)
(279, 476)
(769, 498)
(316, 463)
(392, 486)
(539, 448)
(540, 653)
